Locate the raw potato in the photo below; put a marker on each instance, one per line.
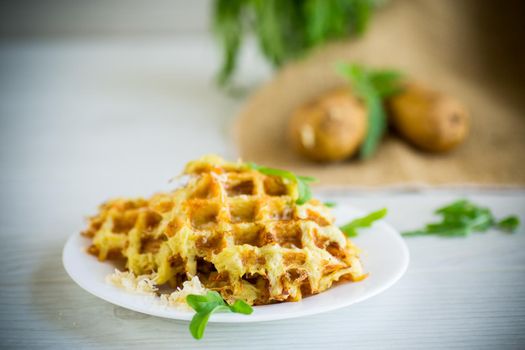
(428, 119)
(330, 128)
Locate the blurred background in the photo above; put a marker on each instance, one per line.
(94, 92)
(119, 96)
(98, 18)
(109, 95)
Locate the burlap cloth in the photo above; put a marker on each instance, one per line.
(474, 50)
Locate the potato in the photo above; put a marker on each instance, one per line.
(428, 119)
(330, 128)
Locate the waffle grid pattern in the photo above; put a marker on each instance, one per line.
(240, 231)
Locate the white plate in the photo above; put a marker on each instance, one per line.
(384, 255)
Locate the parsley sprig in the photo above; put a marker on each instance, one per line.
(372, 86)
(461, 218)
(206, 305)
(350, 229)
(303, 182)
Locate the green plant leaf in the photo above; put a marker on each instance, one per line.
(362, 10)
(362, 84)
(284, 29)
(303, 188)
(330, 204)
(386, 82)
(307, 179)
(228, 28)
(376, 126)
(350, 229)
(274, 172)
(206, 305)
(509, 224)
(305, 193)
(200, 319)
(461, 218)
(372, 86)
(268, 29)
(241, 307)
(215, 297)
(197, 302)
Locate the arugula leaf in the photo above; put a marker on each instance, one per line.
(305, 193)
(285, 29)
(350, 229)
(377, 126)
(461, 218)
(206, 305)
(272, 171)
(509, 224)
(303, 188)
(386, 82)
(372, 86)
(227, 21)
(307, 178)
(268, 27)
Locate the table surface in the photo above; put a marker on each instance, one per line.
(84, 121)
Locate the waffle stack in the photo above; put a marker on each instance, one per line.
(237, 229)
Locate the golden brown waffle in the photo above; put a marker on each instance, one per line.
(237, 229)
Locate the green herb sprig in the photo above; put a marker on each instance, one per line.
(372, 86)
(351, 228)
(206, 305)
(284, 29)
(330, 204)
(461, 218)
(303, 187)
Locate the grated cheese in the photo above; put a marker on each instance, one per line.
(143, 284)
(178, 297)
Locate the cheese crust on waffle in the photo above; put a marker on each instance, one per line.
(240, 231)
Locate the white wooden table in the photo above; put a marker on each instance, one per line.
(81, 122)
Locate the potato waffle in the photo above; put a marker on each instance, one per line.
(239, 230)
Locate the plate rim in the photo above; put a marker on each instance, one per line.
(183, 315)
